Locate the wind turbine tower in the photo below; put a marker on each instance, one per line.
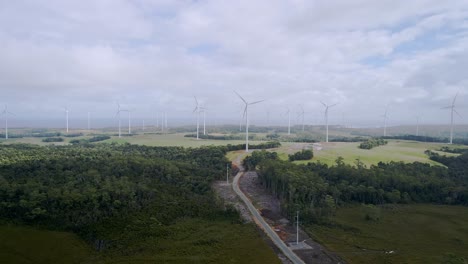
(452, 108)
(89, 121)
(197, 111)
(119, 110)
(385, 117)
(6, 113)
(288, 112)
(66, 113)
(417, 125)
(246, 115)
(301, 114)
(326, 117)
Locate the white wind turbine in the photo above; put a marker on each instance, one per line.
(129, 121)
(204, 120)
(301, 114)
(246, 115)
(452, 108)
(197, 111)
(6, 113)
(66, 113)
(385, 117)
(417, 124)
(326, 117)
(288, 112)
(89, 121)
(119, 110)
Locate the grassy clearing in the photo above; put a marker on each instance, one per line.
(415, 233)
(29, 245)
(395, 150)
(190, 241)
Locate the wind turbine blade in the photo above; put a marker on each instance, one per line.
(332, 105)
(245, 112)
(196, 101)
(323, 103)
(241, 97)
(455, 98)
(256, 102)
(447, 107)
(457, 113)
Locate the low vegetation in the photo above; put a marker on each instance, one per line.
(371, 143)
(414, 233)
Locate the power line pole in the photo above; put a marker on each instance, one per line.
(297, 228)
(227, 173)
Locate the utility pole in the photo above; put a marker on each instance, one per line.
(227, 173)
(297, 228)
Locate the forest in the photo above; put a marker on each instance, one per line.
(83, 188)
(317, 189)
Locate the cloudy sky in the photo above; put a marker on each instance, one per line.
(154, 56)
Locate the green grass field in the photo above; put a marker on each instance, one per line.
(190, 241)
(395, 150)
(415, 233)
(29, 245)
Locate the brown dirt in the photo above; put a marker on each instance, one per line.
(270, 208)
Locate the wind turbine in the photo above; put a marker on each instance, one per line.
(385, 116)
(246, 115)
(89, 121)
(6, 113)
(204, 120)
(452, 108)
(301, 114)
(326, 117)
(417, 124)
(288, 112)
(66, 111)
(129, 121)
(197, 111)
(118, 114)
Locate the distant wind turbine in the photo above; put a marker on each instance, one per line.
(452, 108)
(246, 115)
(197, 111)
(417, 124)
(385, 117)
(6, 113)
(89, 121)
(204, 120)
(326, 117)
(119, 110)
(301, 114)
(288, 112)
(129, 121)
(66, 112)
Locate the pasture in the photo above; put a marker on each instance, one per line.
(417, 233)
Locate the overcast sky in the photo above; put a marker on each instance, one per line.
(156, 55)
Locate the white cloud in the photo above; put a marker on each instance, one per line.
(163, 53)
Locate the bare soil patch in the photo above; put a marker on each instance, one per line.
(270, 208)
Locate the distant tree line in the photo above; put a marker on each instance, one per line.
(90, 140)
(317, 189)
(220, 137)
(266, 145)
(52, 139)
(305, 154)
(372, 142)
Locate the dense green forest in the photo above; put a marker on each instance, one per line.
(372, 142)
(305, 154)
(119, 197)
(317, 189)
